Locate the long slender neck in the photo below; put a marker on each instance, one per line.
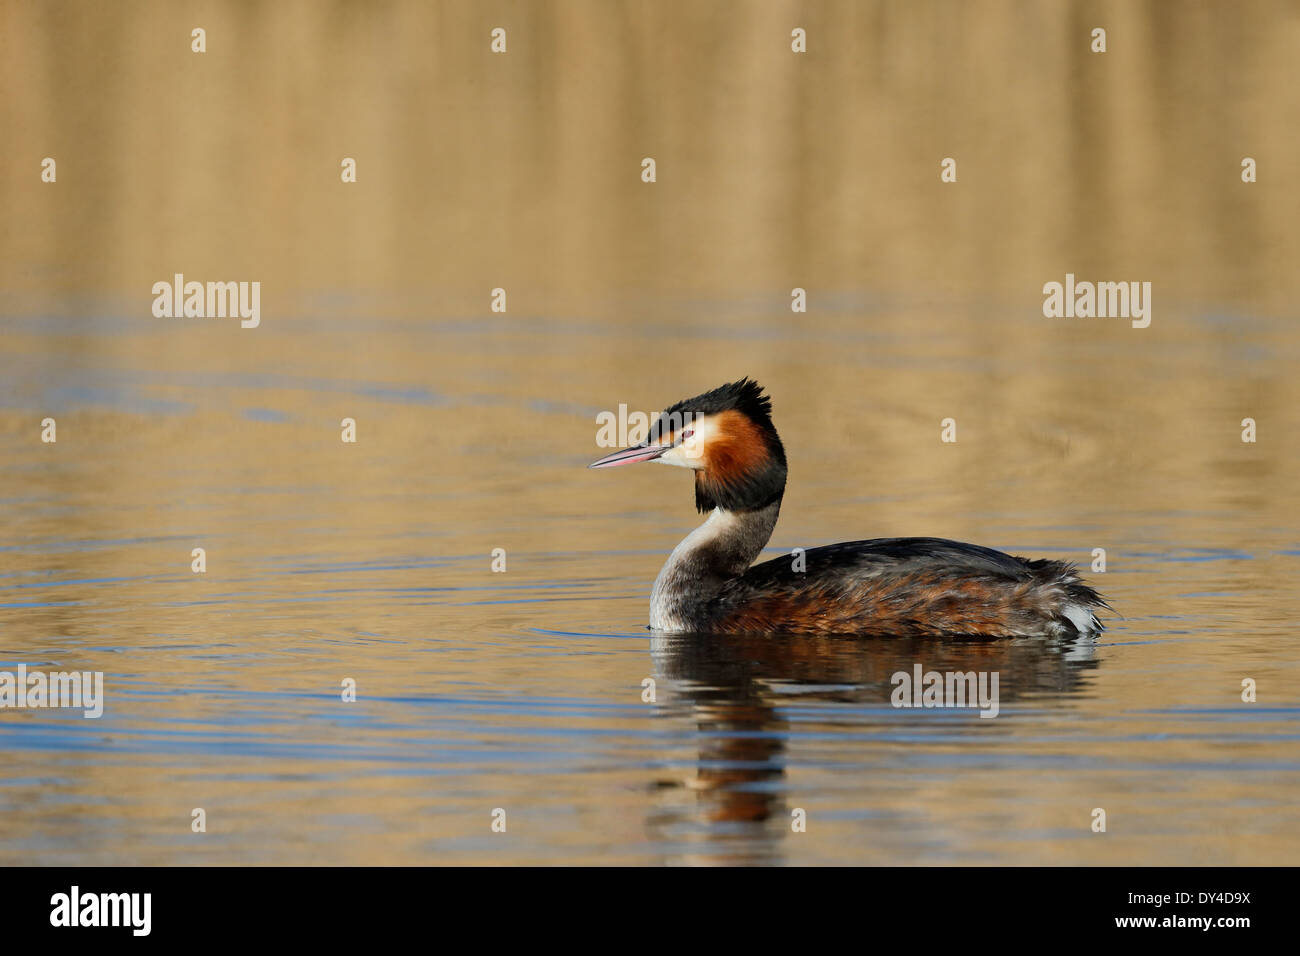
(714, 553)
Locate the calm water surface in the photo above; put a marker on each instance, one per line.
(523, 690)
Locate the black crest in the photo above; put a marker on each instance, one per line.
(745, 396)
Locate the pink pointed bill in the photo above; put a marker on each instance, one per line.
(630, 456)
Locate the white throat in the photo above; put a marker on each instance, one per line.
(720, 549)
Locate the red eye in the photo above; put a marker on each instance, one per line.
(688, 433)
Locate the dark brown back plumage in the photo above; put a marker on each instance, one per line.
(916, 587)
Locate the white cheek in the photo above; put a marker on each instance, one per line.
(684, 457)
(690, 453)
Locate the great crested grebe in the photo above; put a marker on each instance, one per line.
(913, 587)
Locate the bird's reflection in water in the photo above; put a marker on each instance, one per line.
(733, 689)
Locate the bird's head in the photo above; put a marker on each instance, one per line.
(726, 437)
